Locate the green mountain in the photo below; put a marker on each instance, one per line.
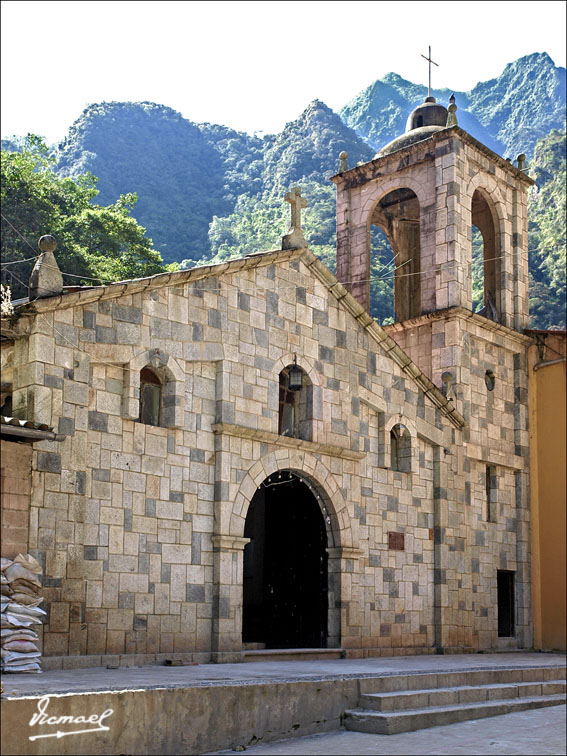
(187, 174)
(309, 148)
(154, 152)
(523, 104)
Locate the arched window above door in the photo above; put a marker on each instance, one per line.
(295, 403)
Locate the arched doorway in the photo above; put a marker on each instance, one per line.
(285, 566)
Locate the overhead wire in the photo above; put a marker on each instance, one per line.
(392, 273)
(21, 235)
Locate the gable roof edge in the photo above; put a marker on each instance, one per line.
(90, 294)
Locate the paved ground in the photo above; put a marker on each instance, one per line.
(540, 732)
(128, 678)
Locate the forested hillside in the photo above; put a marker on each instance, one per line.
(546, 233)
(206, 192)
(151, 150)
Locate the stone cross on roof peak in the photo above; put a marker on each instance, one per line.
(295, 238)
(297, 203)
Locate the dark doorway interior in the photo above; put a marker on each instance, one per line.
(506, 624)
(285, 566)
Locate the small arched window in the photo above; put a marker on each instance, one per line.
(400, 448)
(295, 403)
(151, 388)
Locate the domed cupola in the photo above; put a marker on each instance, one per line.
(426, 119)
(429, 113)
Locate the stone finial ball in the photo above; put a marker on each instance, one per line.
(343, 155)
(47, 243)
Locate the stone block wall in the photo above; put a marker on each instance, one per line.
(472, 350)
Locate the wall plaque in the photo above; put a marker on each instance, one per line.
(396, 541)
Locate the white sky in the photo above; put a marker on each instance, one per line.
(250, 65)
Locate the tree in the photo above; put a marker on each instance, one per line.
(95, 244)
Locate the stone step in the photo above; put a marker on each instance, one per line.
(459, 694)
(391, 723)
(292, 654)
(434, 680)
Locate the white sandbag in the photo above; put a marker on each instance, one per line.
(17, 633)
(32, 611)
(27, 561)
(22, 668)
(15, 657)
(23, 646)
(26, 599)
(21, 620)
(17, 571)
(24, 586)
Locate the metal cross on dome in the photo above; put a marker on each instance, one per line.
(430, 61)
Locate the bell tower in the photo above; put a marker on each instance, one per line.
(426, 190)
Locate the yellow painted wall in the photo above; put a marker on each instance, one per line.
(548, 386)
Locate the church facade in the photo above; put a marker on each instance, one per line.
(245, 459)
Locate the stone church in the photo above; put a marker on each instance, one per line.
(238, 458)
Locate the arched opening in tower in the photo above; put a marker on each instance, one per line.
(285, 601)
(477, 270)
(382, 264)
(397, 215)
(485, 278)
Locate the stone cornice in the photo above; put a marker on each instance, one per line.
(91, 294)
(371, 169)
(461, 313)
(492, 457)
(267, 437)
